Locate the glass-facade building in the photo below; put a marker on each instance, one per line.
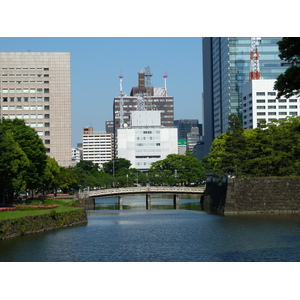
(226, 68)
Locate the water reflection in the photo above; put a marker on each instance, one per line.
(161, 235)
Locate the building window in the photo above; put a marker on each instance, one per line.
(271, 94)
(46, 91)
(282, 107)
(272, 107)
(47, 142)
(260, 93)
(47, 116)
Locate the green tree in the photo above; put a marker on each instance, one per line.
(176, 168)
(115, 165)
(50, 178)
(234, 146)
(67, 179)
(85, 170)
(288, 83)
(29, 141)
(13, 167)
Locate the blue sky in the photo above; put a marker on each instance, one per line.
(96, 63)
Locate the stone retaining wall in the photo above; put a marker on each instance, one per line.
(33, 224)
(253, 196)
(262, 195)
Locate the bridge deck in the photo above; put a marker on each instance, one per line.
(146, 190)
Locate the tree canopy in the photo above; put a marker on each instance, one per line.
(288, 83)
(23, 158)
(177, 168)
(271, 149)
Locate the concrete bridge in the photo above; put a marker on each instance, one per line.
(89, 201)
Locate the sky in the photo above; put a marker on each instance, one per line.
(97, 62)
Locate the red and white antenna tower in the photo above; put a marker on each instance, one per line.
(165, 77)
(121, 103)
(254, 59)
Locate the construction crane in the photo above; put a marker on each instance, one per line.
(254, 59)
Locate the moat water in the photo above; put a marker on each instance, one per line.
(161, 234)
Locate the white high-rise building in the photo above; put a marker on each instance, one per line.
(259, 102)
(97, 146)
(35, 87)
(146, 141)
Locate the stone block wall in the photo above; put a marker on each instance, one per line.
(262, 195)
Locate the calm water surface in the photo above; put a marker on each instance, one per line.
(161, 235)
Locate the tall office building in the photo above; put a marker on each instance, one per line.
(155, 99)
(226, 68)
(35, 87)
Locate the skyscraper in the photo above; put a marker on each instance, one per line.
(226, 68)
(35, 87)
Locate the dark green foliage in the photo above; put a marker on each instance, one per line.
(288, 83)
(271, 149)
(115, 165)
(176, 168)
(33, 147)
(13, 167)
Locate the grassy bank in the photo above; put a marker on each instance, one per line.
(37, 217)
(64, 205)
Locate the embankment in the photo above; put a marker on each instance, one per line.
(33, 224)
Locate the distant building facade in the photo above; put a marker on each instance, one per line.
(97, 147)
(259, 102)
(109, 126)
(189, 132)
(35, 87)
(145, 140)
(77, 154)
